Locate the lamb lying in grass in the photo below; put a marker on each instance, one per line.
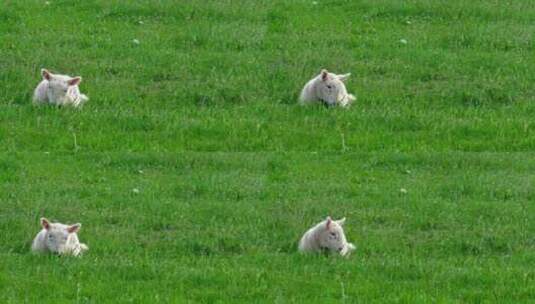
(58, 238)
(327, 235)
(59, 90)
(328, 88)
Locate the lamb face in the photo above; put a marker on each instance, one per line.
(330, 88)
(58, 238)
(332, 237)
(59, 89)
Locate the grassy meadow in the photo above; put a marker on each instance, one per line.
(194, 172)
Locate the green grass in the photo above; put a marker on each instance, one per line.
(201, 118)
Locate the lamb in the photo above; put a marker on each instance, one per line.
(328, 88)
(327, 235)
(59, 90)
(58, 238)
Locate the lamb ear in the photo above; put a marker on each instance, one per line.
(341, 221)
(45, 223)
(324, 74)
(343, 77)
(329, 222)
(75, 81)
(46, 74)
(74, 228)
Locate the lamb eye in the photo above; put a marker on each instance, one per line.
(333, 234)
(329, 87)
(50, 236)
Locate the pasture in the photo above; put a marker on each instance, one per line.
(194, 172)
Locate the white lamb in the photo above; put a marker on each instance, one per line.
(327, 235)
(59, 90)
(327, 87)
(58, 238)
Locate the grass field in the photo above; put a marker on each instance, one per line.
(201, 119)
